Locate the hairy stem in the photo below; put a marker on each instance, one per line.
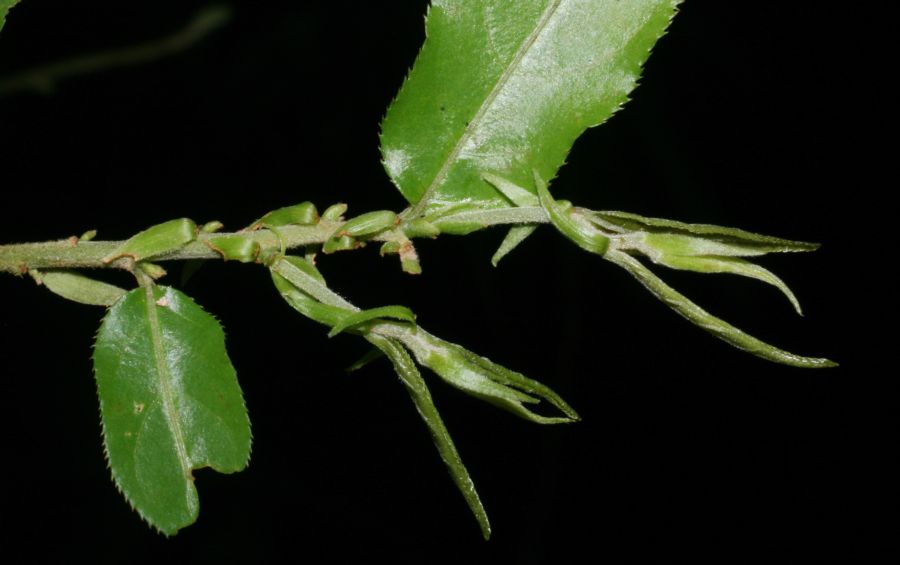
(71, 253)
(74, 254)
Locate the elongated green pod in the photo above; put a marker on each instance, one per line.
(303, 214)
(79, 288)
(157, 240)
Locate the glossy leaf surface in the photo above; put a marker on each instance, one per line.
(506, 87)
(169, 402)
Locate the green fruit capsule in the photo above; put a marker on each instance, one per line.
(341, 243)
(421, 228)
(235, 248)
(389, 248)
(158, 240)
(303, 214)
(369, 223)
(334, 212)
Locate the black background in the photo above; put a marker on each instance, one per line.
(688, 448)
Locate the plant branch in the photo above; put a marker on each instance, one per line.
(74, 254)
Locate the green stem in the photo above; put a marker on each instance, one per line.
(70, 253)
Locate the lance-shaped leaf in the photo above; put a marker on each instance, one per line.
(700, 248)
(702, 239)
(594, 232)
(411, 378)
(520, 197)
(169, 402)
(700, 317)
(507, 86)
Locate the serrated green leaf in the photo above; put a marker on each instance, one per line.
(5, 5)
(169, 403)
(507, 87)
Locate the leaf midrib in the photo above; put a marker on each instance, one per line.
(164, 378)
(444, 171)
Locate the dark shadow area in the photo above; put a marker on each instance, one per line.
(688, 448)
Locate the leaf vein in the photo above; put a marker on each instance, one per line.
(513, 65)
(165, 377)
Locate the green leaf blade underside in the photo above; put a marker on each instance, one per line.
(5, 5)
(169, 403)
(79, 288)
(506, 87)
